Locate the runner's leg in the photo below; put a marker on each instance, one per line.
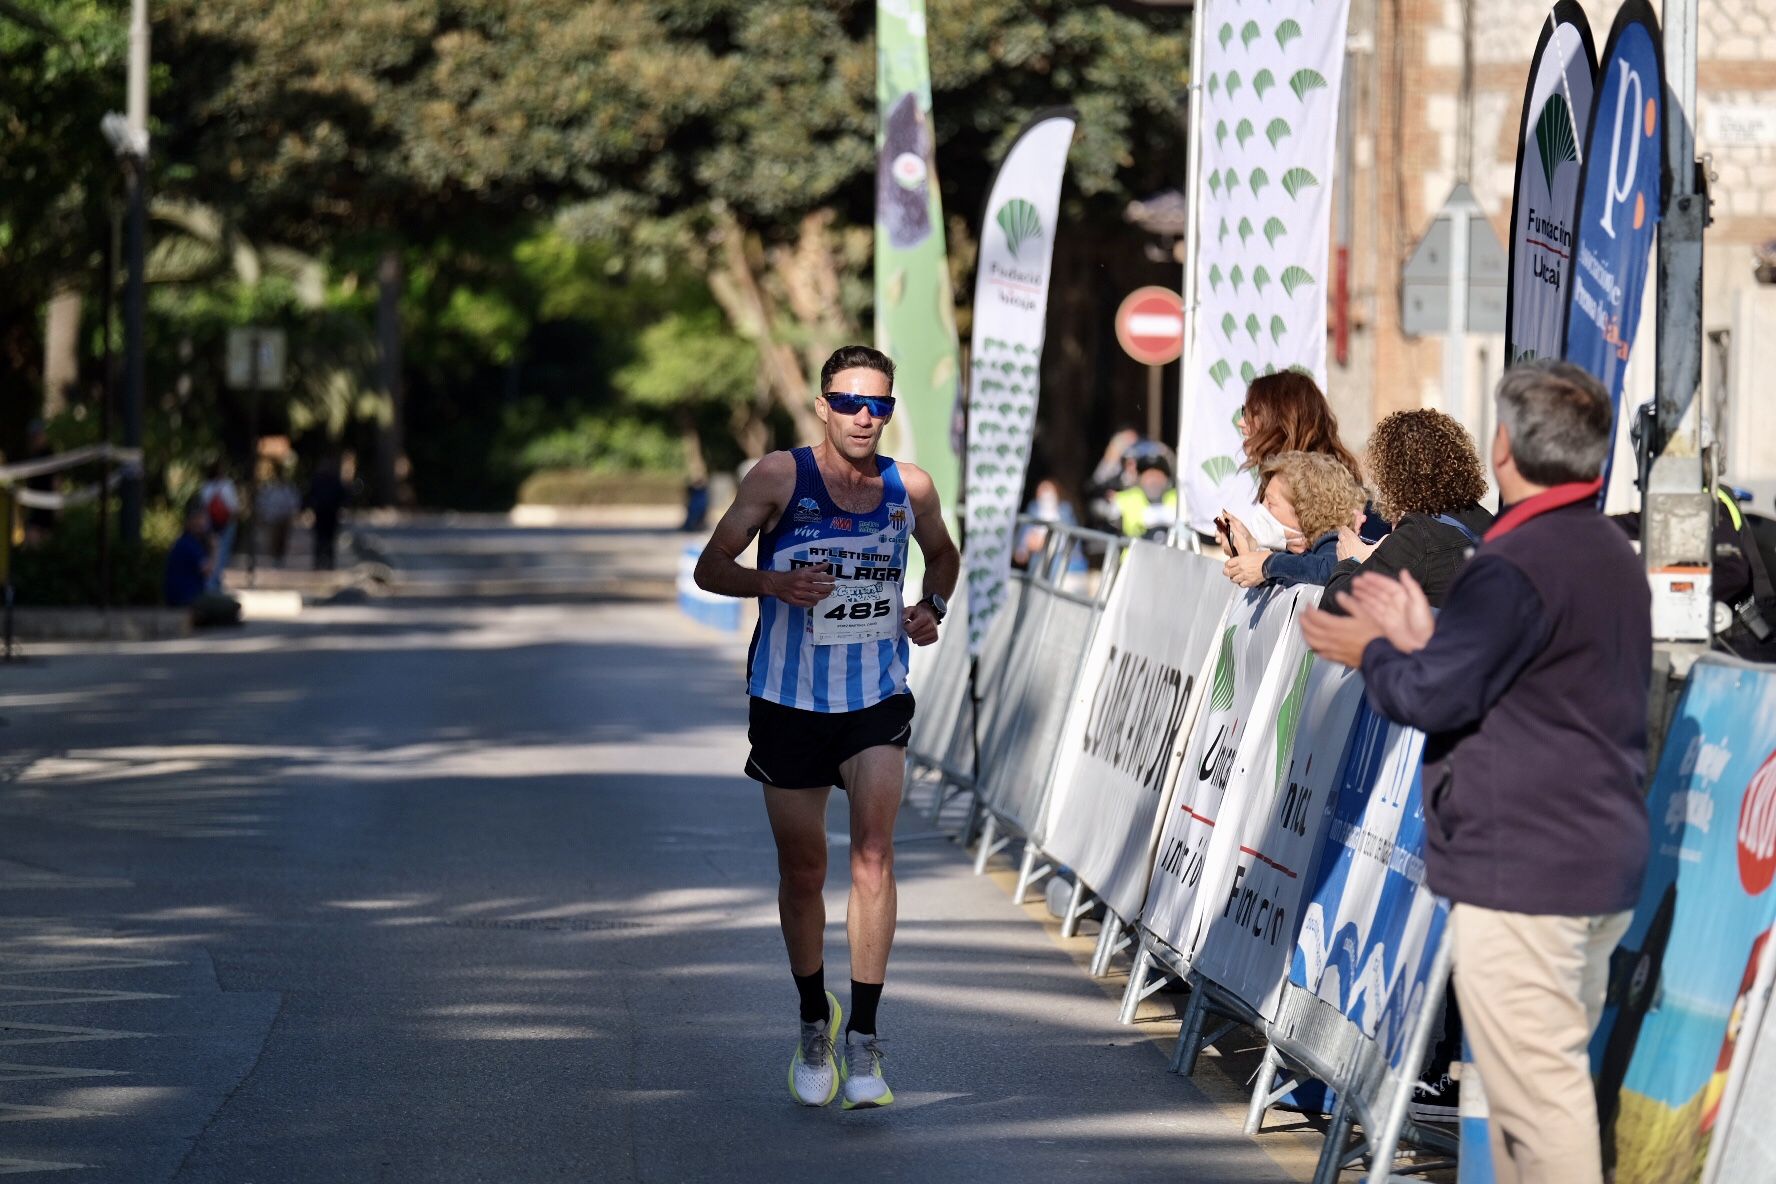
(798, 823)
(873, 777)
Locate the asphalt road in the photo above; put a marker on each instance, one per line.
(470, 888)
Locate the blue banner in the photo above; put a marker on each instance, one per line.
(1621, 195)
(1371, 927)
(1680, 977)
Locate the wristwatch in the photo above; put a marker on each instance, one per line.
(939, 606)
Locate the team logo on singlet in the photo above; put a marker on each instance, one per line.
(897, 519)
(807, 510)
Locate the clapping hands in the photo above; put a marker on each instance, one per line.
(1379, 607)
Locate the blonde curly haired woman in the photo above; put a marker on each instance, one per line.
(1313, 495)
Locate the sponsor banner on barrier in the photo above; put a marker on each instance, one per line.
(1263, 206)
(1017, 241)
(1370, 930)
(1621, 196)
(1259, 655)
(1688, 960)
(1120, 741)
(915, 307)
(1555, 111)
(1744, 1145)
(1251, 939)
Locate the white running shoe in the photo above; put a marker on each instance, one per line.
(861, 1071)
(813, 1077)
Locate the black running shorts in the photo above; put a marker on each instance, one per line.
(796, 749)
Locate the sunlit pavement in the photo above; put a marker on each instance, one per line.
(439, 888)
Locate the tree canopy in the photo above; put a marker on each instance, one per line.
(528, 158)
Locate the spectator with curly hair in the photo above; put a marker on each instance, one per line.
(1314, 496)
(1428, 484)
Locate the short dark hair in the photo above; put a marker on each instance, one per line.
(1559, 420)
(856, 357)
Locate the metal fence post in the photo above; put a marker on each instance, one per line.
(11, 524)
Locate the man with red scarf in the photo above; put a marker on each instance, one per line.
(1531, 688)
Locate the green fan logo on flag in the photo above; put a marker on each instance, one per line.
(1289, 715)
(1021, 223)
(1221, 686)
(1555, 142)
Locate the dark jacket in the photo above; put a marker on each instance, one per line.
(1533, 695)
(185, 575)
(1433, 551)
(1285, 569)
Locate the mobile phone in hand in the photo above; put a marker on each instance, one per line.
(1226, 530)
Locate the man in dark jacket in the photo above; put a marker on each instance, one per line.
(1532, 690)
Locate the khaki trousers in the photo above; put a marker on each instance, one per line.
(1531, 991)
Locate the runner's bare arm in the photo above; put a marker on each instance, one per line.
(762, 497)
(943, 563)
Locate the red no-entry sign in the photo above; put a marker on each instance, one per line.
(1150, 325)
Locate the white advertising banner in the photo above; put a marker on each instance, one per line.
(1247, 945)
(1122, 734)
(1005, 360)
(1264, 206)
(1555, 114)
(1258, 663)
(1371, 925)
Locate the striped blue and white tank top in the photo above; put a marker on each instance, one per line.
(807, 658)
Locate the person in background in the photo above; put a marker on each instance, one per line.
(326, 498)
(1531, 688)
(1283, 413)
(276, 505)
(1115, 471)
(188, 560)
(1148, 509)
(1049, 506)
(1428, 486)
(1744, 579)
(221, 500)
(1313, 496)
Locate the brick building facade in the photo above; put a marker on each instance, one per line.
(1436, 92)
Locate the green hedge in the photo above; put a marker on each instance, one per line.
(63, 569)
(577, 487)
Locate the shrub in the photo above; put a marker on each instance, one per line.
(577, 487)
(63, 569)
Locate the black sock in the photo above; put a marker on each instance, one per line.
(864, 997)
(812, 989)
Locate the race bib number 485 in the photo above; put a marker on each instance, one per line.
(857, 611)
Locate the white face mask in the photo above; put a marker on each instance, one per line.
(1047, 505)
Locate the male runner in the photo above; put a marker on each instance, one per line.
(828, 679)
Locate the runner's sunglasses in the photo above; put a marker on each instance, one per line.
(880, 406)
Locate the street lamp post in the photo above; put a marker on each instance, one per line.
(128, 136)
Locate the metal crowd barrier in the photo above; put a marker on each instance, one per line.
(941, 750)
(1023, 716)
(1053, 634)
(939, 678)
(13, 495)
(1021, 688)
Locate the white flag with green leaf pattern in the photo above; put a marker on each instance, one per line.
(1269, 131)
(1005, 362)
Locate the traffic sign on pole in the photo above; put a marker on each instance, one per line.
(1150, 325)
